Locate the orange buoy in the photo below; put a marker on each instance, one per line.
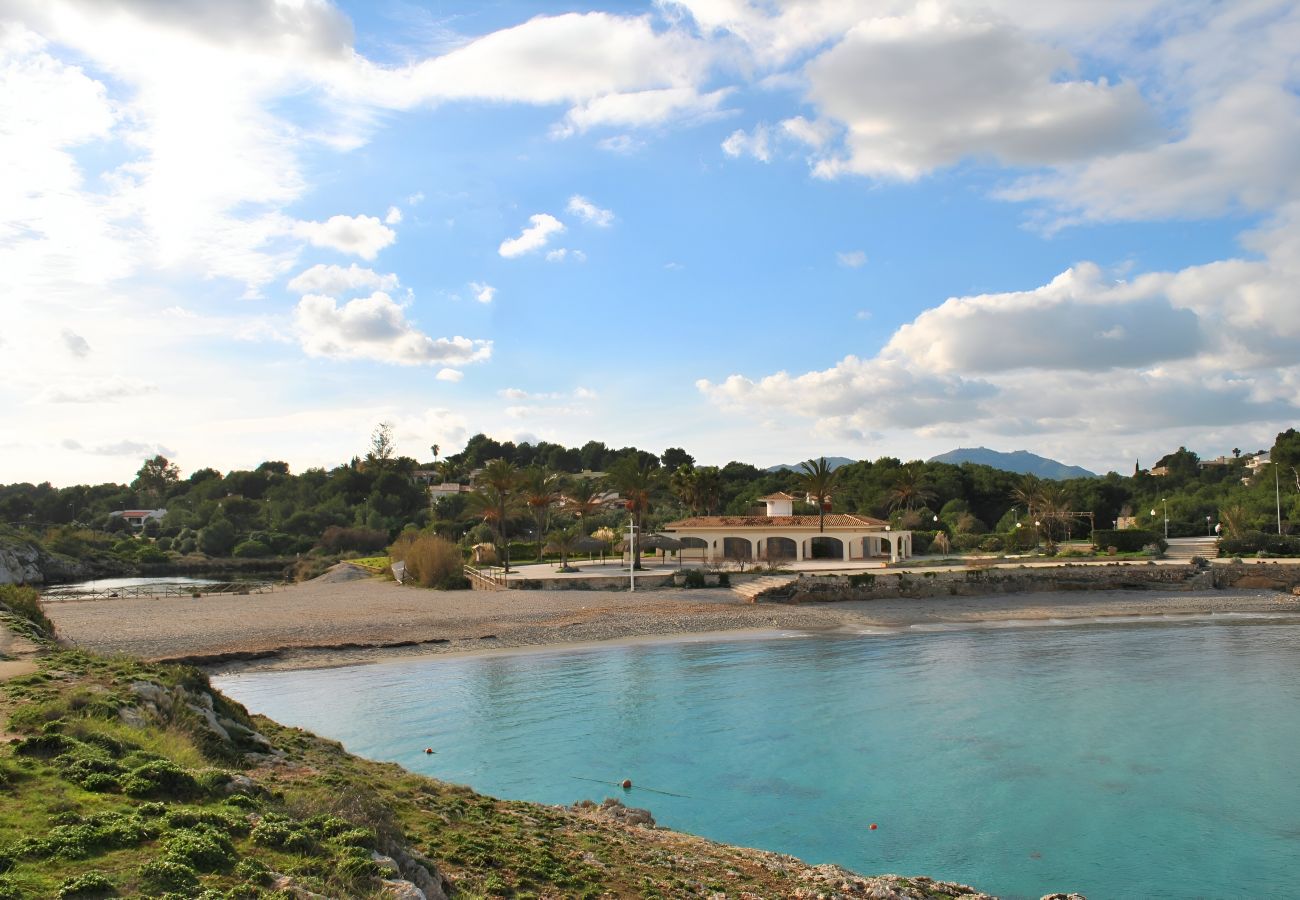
(872, 826)
(626, 783)
(428, 749)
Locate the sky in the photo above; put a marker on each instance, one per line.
(766, 231)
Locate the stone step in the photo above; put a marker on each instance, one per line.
(1186, 548)
(750, 590)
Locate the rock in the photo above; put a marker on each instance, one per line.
(401, 890)
(1064, 897)
(420, 871)
(294, 889)
(387, 864)
(613, 808)
(21, 562)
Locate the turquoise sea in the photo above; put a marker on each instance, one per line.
(1154, 759)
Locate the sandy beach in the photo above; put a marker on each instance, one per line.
(326, 623)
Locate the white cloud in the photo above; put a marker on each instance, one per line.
(376, 328)
(852, 259)
(393, 216)
(642, 109)
(926, 90)
(119, 448)
(757, 144)
(77, 345)
(589, 212)
(813, 134)
(534, 237)
(560, 254)
(452, 375)
(415, 199)
(620, 143)
(104, 389)
(362, 236)
(483, 293)
(336, 280)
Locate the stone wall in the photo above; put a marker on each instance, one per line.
(1028, 579)
(599, 583)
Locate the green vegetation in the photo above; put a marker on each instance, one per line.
(526, 493)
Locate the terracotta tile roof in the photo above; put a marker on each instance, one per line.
(779, 495)
(833, 520)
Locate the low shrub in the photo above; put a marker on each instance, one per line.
(82, 887)
(168, 875)
(202, 848)
(281, 833)
(160, 778)
(25, 603)
(1126, 540)
(250, 550)
(431, 561)
(693, 578)
(724, 579)
(1255, 541)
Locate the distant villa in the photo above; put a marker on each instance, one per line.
(781, 535)
(137, 517)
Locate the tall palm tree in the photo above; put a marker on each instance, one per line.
(541, 491)
(1234, 519)
(1046, 503)
(583, 498)
(910, 489)
(636, 482)
(818, 479)
(495, 497)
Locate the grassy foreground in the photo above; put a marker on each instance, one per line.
(122, 778)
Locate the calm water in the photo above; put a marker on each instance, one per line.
(1119, 761)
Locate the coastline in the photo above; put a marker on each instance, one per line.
(326, 624)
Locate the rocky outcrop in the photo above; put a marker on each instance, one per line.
(612, 808)
(21, 562)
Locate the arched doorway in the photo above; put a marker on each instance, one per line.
(694, 548)
(780, 548)
(825, 547)
(737, 548)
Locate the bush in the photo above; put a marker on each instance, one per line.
(168, 875)
(1127, 540)
(991, 544)
(1255, 541)
(25, 603)
(203, 848)
(217, 538)
(160, 778)
(366, 540)
(91, 884)
(724, 579)
(431, 561)
(693, 578)
(250, 550)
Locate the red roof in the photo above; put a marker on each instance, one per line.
(779, 495)
(832, 520)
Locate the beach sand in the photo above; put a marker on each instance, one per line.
(329, 623)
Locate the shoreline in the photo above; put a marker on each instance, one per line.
(326, 624)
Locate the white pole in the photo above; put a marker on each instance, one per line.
(631, 544)
(1277, 494)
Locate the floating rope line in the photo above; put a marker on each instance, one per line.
(638, 787)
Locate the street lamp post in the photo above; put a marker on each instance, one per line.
(1165, 505)
(1207, 525)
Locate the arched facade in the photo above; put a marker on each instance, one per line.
(795, 538)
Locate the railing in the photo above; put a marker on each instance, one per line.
(486, 579)
(160, 590)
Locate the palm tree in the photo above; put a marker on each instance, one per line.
(910, 489)
(583, 499)
(1046, 503)
(541, 491)
(817, 479)
(495, 497)
(636, 482)
(1234, 519)
(562, 541)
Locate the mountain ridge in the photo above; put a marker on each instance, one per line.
(1020, 461)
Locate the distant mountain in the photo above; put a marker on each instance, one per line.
(1021, 461)
(833, 461)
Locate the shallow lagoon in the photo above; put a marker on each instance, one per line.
(1136, 760)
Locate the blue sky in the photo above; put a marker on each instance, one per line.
(762, 231)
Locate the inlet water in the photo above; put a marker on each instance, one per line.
(1117, 761)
